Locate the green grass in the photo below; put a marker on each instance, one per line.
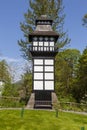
(41, 120)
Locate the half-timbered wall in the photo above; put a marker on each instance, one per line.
(43, 74)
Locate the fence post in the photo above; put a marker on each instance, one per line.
(22, 112)
(56, 112)
(82, 128)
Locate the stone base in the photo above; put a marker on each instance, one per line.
(42, 104)
(54, 99)
(31, 101)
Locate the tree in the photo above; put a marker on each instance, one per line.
(65, 71)
(5, 76)
(26, 85)
(85, 20)
(54, 10)
(4, 72)
(80, 89)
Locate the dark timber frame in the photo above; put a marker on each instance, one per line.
(43, 58)
(44, 48)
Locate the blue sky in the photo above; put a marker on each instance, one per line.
(75, 10)
(11, 14)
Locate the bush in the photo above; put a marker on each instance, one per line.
(10, 102)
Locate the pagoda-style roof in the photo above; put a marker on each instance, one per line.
(43, 33)
(44, 18)
(43, 28)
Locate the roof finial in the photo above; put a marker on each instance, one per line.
(43, 16)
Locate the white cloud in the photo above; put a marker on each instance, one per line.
(16, 66)
(9, 59)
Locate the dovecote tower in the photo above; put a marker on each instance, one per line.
(43, 51)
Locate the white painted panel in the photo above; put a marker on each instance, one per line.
(38, 85)
(35, 43)
(47, 48)
(49, 85)
(35, 48)
(49, 68)
(38, 61)
(49, 76)
(41, 48)
(38, 76)
(51, 48)
(40, 43)
(44, 48)
(51, 43)
(49, 62)
(38, 68)
(45, 43)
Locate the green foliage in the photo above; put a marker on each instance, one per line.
(10, 102)
(10, 90)
(54, 10)
(26, 87)
(41, 120)
(80, 84)
(4, 72)
(85, 20)
(72, 106)
(65, 71)
(21, 89)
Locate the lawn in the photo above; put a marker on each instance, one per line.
(41, 120)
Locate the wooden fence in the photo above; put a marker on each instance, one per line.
(6, 101)
(14, 102)
(72, 106)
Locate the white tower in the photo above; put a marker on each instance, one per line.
(43, 51)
